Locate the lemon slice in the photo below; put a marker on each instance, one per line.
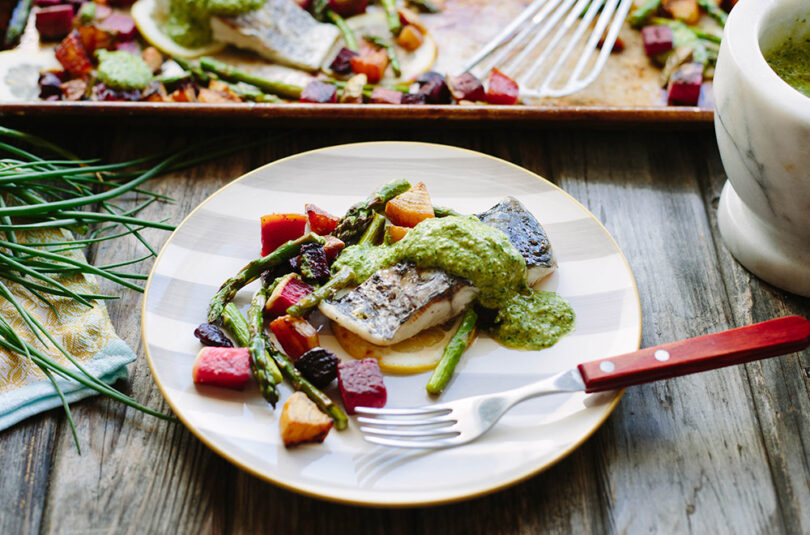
(420, 353)
(412, 63)
(143, 12)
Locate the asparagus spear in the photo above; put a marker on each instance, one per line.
(16, 25)
(298, 381)
(442, 211)
(232, 74)
(253, 270)
(358, 217)
(389, 49)
(425, 6)
(348, 33)
(264, 368)
(194, 69)
(714, 11)
(391, 16)
(639, 16)
(452, 353)
(343, 278)
(252, 93)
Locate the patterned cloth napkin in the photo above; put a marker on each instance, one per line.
(84, 332)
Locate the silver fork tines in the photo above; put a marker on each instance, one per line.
(456, 422)
(523, 48)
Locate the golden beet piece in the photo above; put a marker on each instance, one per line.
(410, 208)
(684, 10)
(410, 38)
(302, 421)
(396, 233)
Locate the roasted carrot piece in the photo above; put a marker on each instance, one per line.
(372, 63)
(410, 208)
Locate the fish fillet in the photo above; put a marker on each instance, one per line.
(397, 302)
(526, 235)
(281, 32)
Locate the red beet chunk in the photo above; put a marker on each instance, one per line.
(684, 85)
(657, 39)
(342, 64)
(54, 22)
(47, 3)
(228, 367)
(319, 93)
(434, 87)
(501, 89)
(312, 263)
(120, 25)
(466, 87)
(347, 8)
(71, 54)
(280, 228)
(361, 384)
(414, 99)
(287, 292)
(49, 85)
(383, 95)
(321, 222)
(303, 4)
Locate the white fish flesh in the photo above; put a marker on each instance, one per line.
(526, 235)
(281, 32)
(397, 302)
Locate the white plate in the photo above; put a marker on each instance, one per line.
(222, 235)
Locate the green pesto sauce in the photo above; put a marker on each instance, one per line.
(791, 61)
(482, 254)
(123, 70)
(189, 22)
(533, 320)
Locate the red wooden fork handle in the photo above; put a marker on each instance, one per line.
(736, 346)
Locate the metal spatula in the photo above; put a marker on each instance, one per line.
(457, 422)
(536, 48)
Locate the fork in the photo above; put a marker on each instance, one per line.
(535, 24)
(457, 422)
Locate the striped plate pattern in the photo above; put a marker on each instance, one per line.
(222, 235)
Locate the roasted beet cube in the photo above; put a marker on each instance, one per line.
(319, 93)
(321, 222)
(684, 84)
(347, 8)
(289, 290)
(211, 335)
(228, 367)
(54, 22)
(657, 39)
(106, 93)
(120, 25)
(319, 366)
(413, 98)
(312, 263)
(434, 87)
(342, 64)
(296, 335)
(466, 87)
(49, 85)
(71, 54)
(361, 384)
(332, 247)
(501, 89)
(383, 95)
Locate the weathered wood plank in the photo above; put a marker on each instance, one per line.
(778, 388)
(688, 454)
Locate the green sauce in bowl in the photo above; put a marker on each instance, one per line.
(791, 61)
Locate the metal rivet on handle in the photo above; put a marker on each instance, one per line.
(662, 355)
(607, 366)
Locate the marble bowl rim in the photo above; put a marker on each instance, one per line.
(742, 35)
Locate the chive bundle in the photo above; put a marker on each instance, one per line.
(65, 193)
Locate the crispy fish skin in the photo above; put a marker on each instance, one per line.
(526, 235)
(281, 32)
(397, 302)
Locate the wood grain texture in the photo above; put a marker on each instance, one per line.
(720, 452)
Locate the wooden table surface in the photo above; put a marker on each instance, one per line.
(722, 452)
